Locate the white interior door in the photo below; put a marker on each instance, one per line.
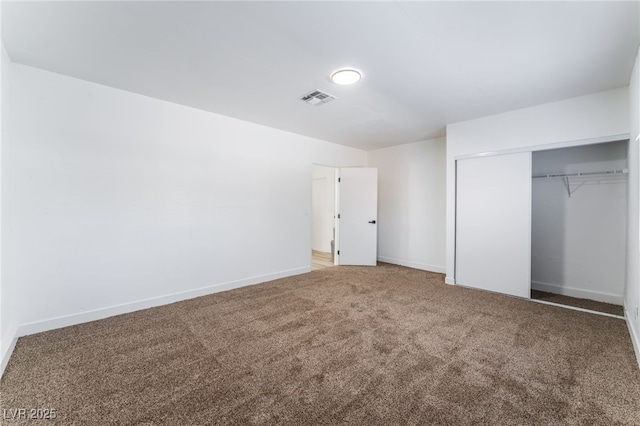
(493, 223)
(358, 213)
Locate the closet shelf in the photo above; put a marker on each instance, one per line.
(584, 175)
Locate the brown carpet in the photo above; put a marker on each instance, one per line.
(592, 305)
(382, 345)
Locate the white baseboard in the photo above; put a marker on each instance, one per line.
(450, 280)
(97, 314)
(8, 344)
(633, 332)
(414, 265)
(616, 299)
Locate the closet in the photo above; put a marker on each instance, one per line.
(579, 221)
(552, 220)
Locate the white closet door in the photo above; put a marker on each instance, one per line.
(493, 223)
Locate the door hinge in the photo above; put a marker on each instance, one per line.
(338, 180)
(338, 215)
(338, 252)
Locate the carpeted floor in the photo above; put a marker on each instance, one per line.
(382, 345)
(592, 305)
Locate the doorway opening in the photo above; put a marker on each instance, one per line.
(323, 217)
(579, 226)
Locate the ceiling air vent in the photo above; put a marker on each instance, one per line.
(317, 98)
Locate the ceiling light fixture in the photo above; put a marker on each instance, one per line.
(346, 76)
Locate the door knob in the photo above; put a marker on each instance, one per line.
(372, 221)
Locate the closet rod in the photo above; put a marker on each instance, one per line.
(578, 174)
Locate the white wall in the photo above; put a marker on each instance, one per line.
(593, 116)
(323, 207)
(632, 296)
(578, 242)
(119, 201)
(4, 85)
(411, 204)
(6, 320)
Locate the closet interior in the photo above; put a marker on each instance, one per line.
(578, 225)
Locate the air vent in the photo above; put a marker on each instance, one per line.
(317, 98)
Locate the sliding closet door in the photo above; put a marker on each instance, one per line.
(493, 223)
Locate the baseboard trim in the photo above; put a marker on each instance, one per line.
(97, 314)
(633, 333)
(8, 344)
(450, 280)
(414, 265)
(579, 293)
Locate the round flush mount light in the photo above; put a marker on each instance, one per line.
(346, 76)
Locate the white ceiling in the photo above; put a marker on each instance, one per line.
(425, 64)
